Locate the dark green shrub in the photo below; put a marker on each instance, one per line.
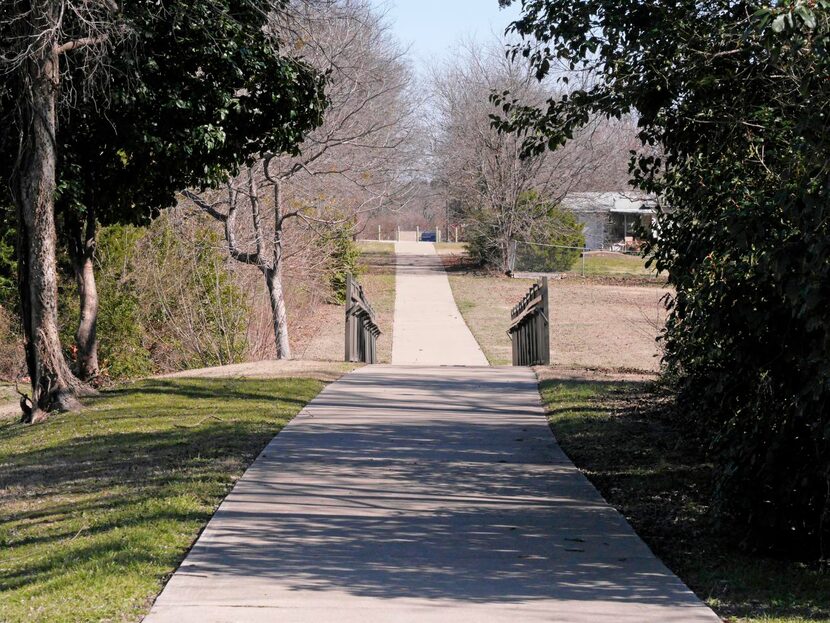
(122, 352)
(122, 348)
(735, 97)
(167, 300)
(194, 312)
(546, 229)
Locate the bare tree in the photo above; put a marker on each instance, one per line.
(483, 172)
(357, 161)
(44, 41)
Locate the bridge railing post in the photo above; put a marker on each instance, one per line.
(361, 328)
(530, 326)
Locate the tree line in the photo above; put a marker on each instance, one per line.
(110, 112)
(731, 102)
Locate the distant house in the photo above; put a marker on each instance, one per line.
(612, 220)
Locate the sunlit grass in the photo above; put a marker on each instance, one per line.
(98, 508)
(613, 264)
(376, 247)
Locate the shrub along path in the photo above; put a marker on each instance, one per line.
(421, 493)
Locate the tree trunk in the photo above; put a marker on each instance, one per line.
(53, 385)
(274, 280)
(82, 249)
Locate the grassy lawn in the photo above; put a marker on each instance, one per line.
(7, 393)
(380, 288)
(613, 264)
(642, 464)
(377, 276)
(485, 303)
(593, 325)
(97, 509)
(378, 281)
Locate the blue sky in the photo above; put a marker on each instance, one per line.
(432, 27)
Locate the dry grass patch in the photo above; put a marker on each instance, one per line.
(378, 281)
(592, 325)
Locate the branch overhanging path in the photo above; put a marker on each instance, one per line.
(422, 493)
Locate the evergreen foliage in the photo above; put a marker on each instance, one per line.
(732, 100)
(550, 229)
(153, 285)
(344, 259)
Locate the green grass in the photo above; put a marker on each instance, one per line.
(616, 264)
(98, 508)
(642, 463)
(8, 393)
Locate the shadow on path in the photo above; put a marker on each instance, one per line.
(431, 487)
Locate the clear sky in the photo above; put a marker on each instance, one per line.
(432, 27)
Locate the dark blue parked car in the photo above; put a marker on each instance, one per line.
(427, 236)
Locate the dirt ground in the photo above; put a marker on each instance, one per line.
(569, 373)
(326, 371)
(378, 281)
(599, 326)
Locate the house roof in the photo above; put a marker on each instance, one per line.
(615, 202)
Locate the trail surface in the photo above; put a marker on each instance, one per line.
(428, 328)
(422, 494)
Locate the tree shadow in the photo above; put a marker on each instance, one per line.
(122, 468)
(648, 463)
(439, 484)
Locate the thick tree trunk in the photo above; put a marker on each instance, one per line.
(86, 337)
(53, 385)
(274, 280)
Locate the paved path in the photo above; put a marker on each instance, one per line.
(415, 494)
(422, 494)
(428, 328)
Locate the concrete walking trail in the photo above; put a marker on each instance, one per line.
(428, 328)
(412, 493)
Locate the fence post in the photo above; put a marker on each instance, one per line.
(511, 256)
(379, 234)
(514, 347)
(398, 234)
(545, 323)
(437, 234)
(349, 317)
(530, 326)
(361, 329)
(417, 233)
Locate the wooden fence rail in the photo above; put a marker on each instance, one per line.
(362, 330)
(530, 327)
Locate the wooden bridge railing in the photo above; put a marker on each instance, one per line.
(362, 330)
(530, 327)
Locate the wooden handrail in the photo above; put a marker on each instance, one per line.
(362, 329)
(530, 327)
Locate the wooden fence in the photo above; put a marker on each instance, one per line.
(362, 330)
(530, 327)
